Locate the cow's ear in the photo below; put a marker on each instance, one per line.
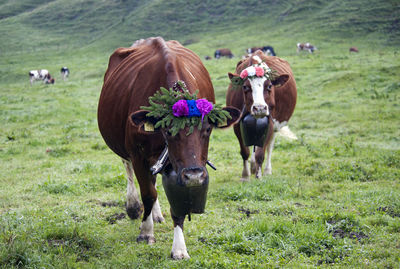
(235, 116)
(235, 79)
(281, 80)
(145, 124)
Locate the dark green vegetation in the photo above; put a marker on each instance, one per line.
(333, 199)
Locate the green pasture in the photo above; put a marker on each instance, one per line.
(332, 201)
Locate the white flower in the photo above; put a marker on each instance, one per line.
(251, 71)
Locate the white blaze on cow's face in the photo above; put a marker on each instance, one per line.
(259, 107)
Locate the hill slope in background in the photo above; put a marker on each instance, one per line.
(34, 25)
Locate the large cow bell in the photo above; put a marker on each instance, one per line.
(254, 130)
(183, 200)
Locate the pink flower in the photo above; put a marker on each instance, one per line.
(244, 74)
(204, 107)
(259, 71)
(180, 108)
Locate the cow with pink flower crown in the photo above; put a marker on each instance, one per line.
(264, 89)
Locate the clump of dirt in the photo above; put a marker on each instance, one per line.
(248, 212)
(345, 228)
(113, 218)
(109, 204)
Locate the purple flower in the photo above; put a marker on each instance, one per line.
(204, 107)
(180, 108)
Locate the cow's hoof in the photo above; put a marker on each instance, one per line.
(180, 255)
(134, 211)
(149, 239)
(245, 179)
(267, 172)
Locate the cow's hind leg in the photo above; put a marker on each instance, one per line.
(156, 212)
(179, 250)
(244, 151)
(134, 207)
(270, 147)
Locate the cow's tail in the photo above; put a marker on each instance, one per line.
(286, 132)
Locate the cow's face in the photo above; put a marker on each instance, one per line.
(187, 153)
(259, 93)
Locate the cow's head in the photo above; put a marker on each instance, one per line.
(258, 84)
(186, 135)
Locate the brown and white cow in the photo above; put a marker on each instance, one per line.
(262, 97)
(41, 74)
(223, 52)
(134, 74)
(306, 46)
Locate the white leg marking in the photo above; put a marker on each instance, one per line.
(270, 147)
(156, 212)
(146, 231)
(132, 197)
(246, 171)
(179, 251)
(259, 174)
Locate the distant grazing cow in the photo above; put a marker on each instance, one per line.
(253, 92)
(64, 72)
(223, 52)
(306, 46)
(41, 74)
(207, 57)
(133, 76)
(353, 49)
(268, 50)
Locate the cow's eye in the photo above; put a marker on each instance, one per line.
(268, 88)
(246, 88)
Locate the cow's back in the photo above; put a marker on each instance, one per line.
(136, 73)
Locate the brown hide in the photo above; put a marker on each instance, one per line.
(223, 52)
(285, 96)
(133, 75)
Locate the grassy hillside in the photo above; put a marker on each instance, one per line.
(42, 25)
(333, 200)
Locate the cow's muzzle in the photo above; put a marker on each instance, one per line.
(194, 176)
(259, 110)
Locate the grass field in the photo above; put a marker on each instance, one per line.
(333, 199)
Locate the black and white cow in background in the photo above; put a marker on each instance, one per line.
(64, 72)
(41, 74)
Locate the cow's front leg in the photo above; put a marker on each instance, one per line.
(179, 250)
(245, 153)
(146, 228)
(148, 193)
(259, 159)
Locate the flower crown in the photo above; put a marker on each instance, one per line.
(256, 70)
(177, 108)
